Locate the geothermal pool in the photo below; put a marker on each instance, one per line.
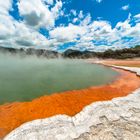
(25, 78)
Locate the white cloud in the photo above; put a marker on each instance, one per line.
(19, 35)
(99, 1)
(68, 33)
(74, 20)
(137, 18)
(4, 23)
(50, 2)
(56, 9)
(37, 14)
(80, 16)
(86, 20)
(74, 12)
(100, 35)
(125, 7)
(5, 6)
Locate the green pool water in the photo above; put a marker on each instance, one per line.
(22, 79)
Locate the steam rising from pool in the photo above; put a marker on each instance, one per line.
(25, 78)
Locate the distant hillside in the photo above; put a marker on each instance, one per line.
(137, 47)
(114, 54)
(30, 51)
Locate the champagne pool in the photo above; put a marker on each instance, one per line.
(26, 78)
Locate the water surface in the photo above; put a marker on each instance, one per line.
(22, 79)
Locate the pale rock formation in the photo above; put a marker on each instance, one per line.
(118, 119)
(132, 69)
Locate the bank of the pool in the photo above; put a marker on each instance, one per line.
(69, 103)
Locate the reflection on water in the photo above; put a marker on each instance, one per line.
(26, 78)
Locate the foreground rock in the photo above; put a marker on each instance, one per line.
(132, 69)
(118, 119)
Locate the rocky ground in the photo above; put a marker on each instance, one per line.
(118, 119)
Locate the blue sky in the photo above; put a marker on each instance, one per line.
(94, 25)
(110, 10)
